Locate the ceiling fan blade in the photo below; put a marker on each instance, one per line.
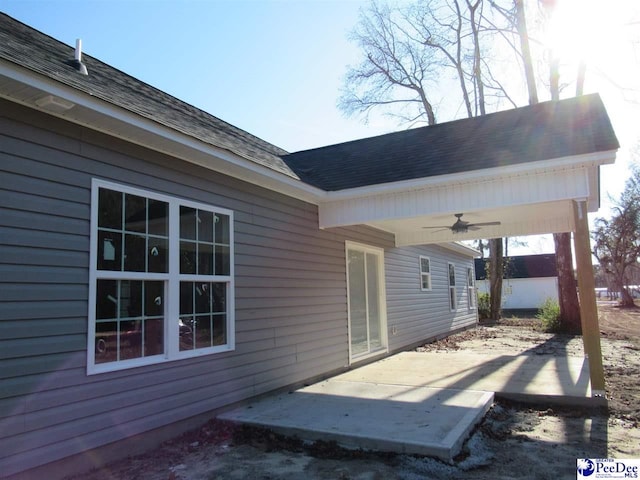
(483, 224)
(440, 226)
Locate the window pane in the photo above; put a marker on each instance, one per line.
(202, 297)
(185, 323)
(452, 275)
(188, 223)
(109, 251)
(205, 259)
(425, 282)
(222, 260)
(130, 340)
(222, 228)
(130, 299)
(153, 295)
(186, 297)
(158, 259)
(205, 226)
(219, 292)
(219, 329)
(158, 218)
(109, 209)
(187, 257)
(135, 247)
(106, 342)
(106, 299)
(424, 265)
(203, 331)
(135, 213)
(153, 337)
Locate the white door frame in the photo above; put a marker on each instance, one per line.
(382, 300)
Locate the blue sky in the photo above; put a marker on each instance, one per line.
(275, 68)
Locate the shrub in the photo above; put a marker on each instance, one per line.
(549, 314)
(484, 306)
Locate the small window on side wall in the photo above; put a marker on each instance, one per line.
(425, 273)
(452, 287)
(471, 289)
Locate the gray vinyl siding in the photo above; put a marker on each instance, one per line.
(416, 314)
(290, 294)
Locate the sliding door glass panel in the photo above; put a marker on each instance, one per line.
(373, 296)
(357, 302)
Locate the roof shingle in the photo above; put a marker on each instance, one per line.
(540, 132)
(40, 53)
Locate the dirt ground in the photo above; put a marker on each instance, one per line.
(513, 441)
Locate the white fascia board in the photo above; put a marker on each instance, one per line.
(490, 193)
(560, 163)
(232, 164)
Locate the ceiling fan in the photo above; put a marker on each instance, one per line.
(460, 226)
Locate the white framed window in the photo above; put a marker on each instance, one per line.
(471, 289)
(452, 287)
(161, 278)
(425, 273)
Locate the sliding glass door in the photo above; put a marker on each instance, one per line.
(367, 319)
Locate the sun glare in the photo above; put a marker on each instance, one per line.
(576, 28)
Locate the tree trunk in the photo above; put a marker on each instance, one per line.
(582, 72)
(521, 25)
(567, 291)
(626, 300)
(496, 272)
(554, 78)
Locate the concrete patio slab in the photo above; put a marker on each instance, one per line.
(418, 402)
(531, 378)
(373, 416)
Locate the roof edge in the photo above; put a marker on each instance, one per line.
(134, 125)
(590, 159)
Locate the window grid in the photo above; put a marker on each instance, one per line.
(129, 216)
(471, 289)
(452, 287)
(425, 273)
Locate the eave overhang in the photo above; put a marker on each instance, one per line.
(23, 86)
(529, 198)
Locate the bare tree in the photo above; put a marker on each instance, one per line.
(617, 240)
(396, 71)
(407, 54)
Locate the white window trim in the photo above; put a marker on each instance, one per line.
(172, 282)
(454, 307)
(471, 289)
(427, 274)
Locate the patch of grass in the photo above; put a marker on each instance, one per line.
(484, 306)
(549, 314)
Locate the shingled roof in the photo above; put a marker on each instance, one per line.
(540, 132)
(40, 53)
(524, 266)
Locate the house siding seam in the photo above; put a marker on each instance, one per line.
(290, 294)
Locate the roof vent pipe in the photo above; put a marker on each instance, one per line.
(77, 61)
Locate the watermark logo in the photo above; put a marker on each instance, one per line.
(607, 468)
(585, 467)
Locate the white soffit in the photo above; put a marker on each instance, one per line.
(486, 192)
